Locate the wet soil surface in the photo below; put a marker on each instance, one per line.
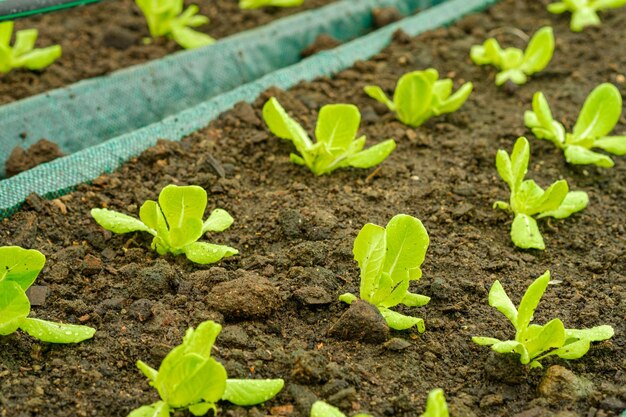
(104, 37)
(278, 299)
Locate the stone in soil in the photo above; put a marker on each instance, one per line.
(561, 384)
(362, 322)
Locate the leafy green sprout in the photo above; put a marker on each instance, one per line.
(599, 115)
(167, 18)
(436, 406)
(336, 146)
(534, 342)
(18, 270)
(176, 224)
(584, 12)
(189, 378)
(256, 4)
(514, 64)
(420, 95)
(389, 259)
(528, 199)
(23, 53)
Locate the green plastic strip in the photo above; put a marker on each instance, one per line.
(16, 9)
(92, 111)
(59, 176)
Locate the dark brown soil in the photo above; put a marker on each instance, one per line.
(22, 159)
(104, 37)
(295, 233)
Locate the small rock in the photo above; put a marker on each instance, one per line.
(440, 289)
(385, 15)
(291, 223)
(321, 43)
(37, 295)
(560, 383)
(396, 344)
(361, 322)
(309, 367)
(250, 296)
(244, 112)
(234, 336)
(313, 296)
(91, 265)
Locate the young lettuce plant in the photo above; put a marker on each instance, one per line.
(584, 12)
(18, 270)
(598, 117)
(336, 147)
(189, 378)
(529, 199)
(389, 259)
(436, 406)
(514, 64)
(176, 224)
(23, 53)
(167, 18)
(420, 95)
(256, 4)
(534, 342)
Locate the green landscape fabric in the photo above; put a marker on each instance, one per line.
(89, 112)
(59, 176)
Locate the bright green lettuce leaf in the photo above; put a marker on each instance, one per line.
(337, 145)
(23, 54)
(436, 405)
(485, 341)
(321, 409)
(579, 155)
(158, 409)
(14, 307)
(167, 18)
(525, 233)
(600, 113)
(246, 392)
(574, 201)
(256, 4)
(389, 258)
(419, 95)
(499, 300)
(541, 122)
(176, 224)
(20, 265)
(530, 301)
(514, 64)
(612, 144)
(584, 12)
(51, 332)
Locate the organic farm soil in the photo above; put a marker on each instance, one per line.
(104, 37)
(278, 299)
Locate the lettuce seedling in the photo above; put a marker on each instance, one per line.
(598, 117)
(336, 146)
(514, 64)
(167, 18)
(189, 378)
(176, 224)
(534, 342)
(584, 12)
(529, 199)
(420, 95)
(389, 259)
(436, 406)
(23, 53)
(256, 4)
(18, 270)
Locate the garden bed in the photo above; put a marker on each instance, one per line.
(297, 231)
(101, 38)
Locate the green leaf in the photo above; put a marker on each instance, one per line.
(20, 265)
(24, 41)
(539, 51)
(337, 126)
(557, 8)
(399, 321)
(552, 335)
(118, 222)
(512, 346)
(321, 409)
(186, 234)
(372, 156)
(436, 405)
(6, 30)
(283, 126)
(208, 253)
(255, 4)
(38, 59)
(574, 201)
(369, 251)
(14, 307)
(348, 298)
(415, 300)
(550, 200)
(583, 18)
(485, 341)
(573, 350)
(600, 113)
(201, 339)
(455, 101)
(413, 97)
(159, 409)
(147, 370)
(595, 334)
(151, 215)
(505, 169)
(218, 221)
(525, 233)
(516, 76)
(499, 300)
(250, 392)
(379, 95)
(202, 408)
(578, 155)
(181, 203)
(530, 300)
(407, 242)
(519, 161)
(393, 295)
(52, 332)
(612, 144)
(191, 39)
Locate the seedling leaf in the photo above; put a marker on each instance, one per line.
(14, 307)
(584, 12)
(600, 113)
(436, 405)
(118, 222)
(158, 409)
(256, 4)
(20, 265)
(23, 54)
(525, 233)
(246, 392)
(50, 332)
